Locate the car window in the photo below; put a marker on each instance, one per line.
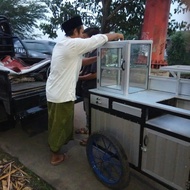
(40, 46)
(51, 45)
(29, 46)
(18, 47)
(36, 46)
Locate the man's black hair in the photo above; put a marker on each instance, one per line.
(92, 31)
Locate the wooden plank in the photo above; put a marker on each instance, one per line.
(26, 86)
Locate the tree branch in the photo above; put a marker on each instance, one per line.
(117, 9)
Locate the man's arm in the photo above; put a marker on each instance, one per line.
(111, 37)
(89, 60)
(89, 76)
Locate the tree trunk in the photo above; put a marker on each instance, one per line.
(105, 11)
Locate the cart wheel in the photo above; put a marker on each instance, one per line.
(108, 160)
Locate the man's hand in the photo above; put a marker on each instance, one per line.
(115, 36)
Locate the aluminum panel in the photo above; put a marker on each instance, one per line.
(126, 132)
(172, 123)
(99, 100)
(127, 109)
(166, 158)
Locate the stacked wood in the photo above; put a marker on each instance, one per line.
(12, 177)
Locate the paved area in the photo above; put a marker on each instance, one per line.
(74, 173)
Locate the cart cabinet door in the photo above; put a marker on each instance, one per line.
(166, 158)
(126, 132)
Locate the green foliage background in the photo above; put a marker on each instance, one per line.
(179, 48)
(125, 16)
(24, 15)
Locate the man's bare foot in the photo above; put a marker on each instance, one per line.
(57, 159)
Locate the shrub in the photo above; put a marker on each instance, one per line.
(179, 49)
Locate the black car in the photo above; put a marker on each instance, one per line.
(24, 50)
(41, 46)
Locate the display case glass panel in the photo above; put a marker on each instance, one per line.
(111, 68)
(123, 66)
(139, 67)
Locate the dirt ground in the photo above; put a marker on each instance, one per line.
(14, 175)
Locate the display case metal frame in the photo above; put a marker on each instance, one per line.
(122, 65)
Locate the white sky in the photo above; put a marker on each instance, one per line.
(177, 17)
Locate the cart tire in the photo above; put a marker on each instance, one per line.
(108, 160)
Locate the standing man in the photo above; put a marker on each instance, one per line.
(87, 79)
(61, 84)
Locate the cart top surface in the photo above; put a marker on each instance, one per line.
(148, 98)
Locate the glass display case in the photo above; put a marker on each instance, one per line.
(123, 66)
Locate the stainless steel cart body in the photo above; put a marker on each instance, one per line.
(148, 115)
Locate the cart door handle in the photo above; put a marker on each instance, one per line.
(145, 143)
(122, 65)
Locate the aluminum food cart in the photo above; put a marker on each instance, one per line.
(138, 120)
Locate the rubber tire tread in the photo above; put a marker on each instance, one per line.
(125, 177)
